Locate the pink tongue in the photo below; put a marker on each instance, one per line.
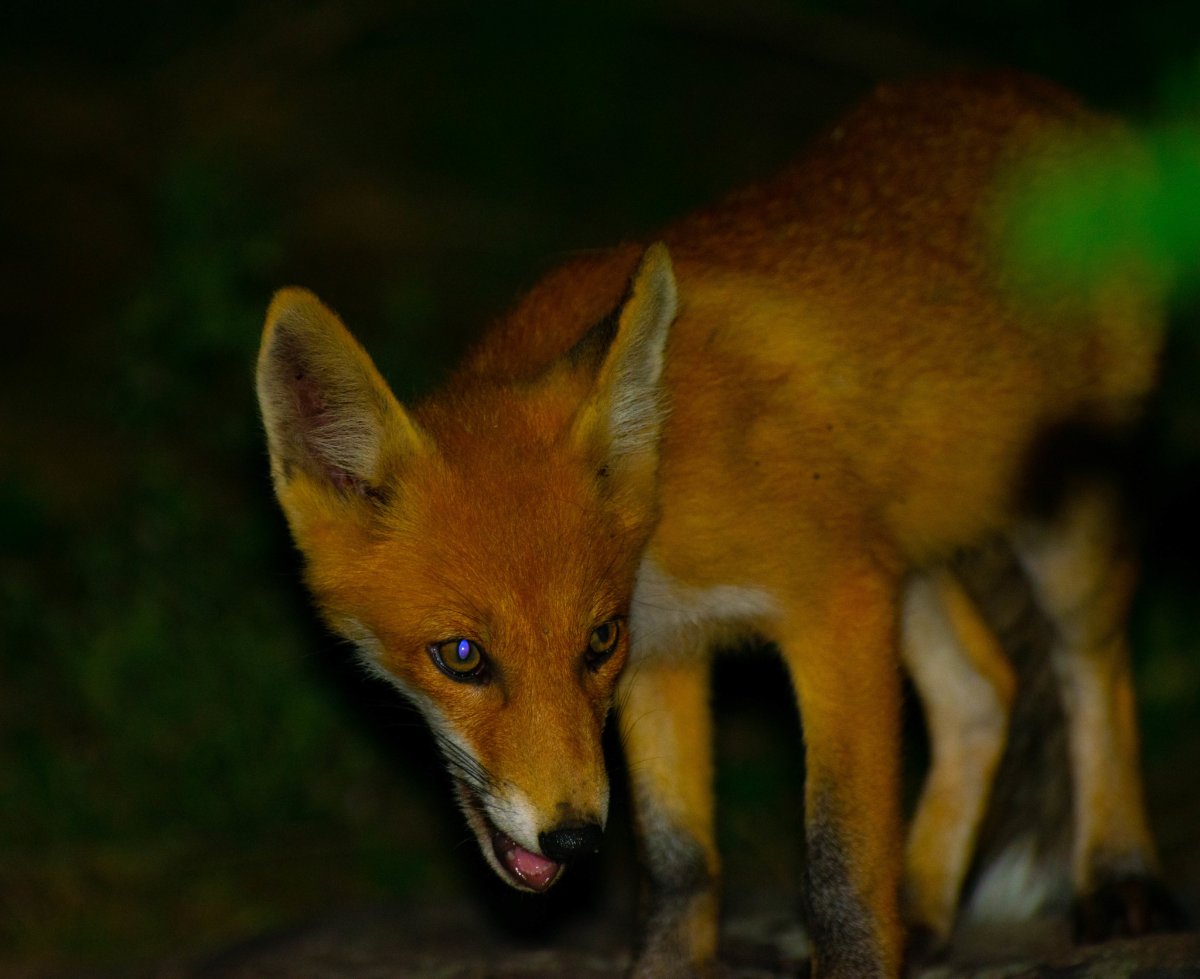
(533, 871)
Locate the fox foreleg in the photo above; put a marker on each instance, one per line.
(844, 664)
(666, 727)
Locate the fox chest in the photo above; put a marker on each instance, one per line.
(670, 618)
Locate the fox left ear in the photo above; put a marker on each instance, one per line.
(622, 419)
(329, 415)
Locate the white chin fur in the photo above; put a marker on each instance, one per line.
(483, 828)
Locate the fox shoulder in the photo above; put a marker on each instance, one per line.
(561, 308)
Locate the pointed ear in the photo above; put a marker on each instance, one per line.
(621, 421)
(328, 414)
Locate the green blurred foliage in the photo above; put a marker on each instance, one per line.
(1109, 208)
(168, 744)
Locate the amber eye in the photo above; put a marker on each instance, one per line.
(602, 643)
(459, 659)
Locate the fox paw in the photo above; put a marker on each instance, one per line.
(1126, 907)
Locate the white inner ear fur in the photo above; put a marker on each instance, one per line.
(349, 432)
(634, 406)
(317, 390)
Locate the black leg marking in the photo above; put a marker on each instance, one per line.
(680, 883)
(840, 927)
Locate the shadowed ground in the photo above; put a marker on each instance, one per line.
(386, 943)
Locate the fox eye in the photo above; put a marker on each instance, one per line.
(602, 643)
(459, 659)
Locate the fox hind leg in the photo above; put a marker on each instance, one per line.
(966, 686)
(1083, 578)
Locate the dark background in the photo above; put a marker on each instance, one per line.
(185, 757)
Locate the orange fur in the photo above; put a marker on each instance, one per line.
(851, 388)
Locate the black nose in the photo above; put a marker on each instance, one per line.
(569, 842)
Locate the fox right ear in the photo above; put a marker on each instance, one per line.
(622, 419)
(328, 413)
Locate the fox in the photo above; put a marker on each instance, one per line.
(781, 418)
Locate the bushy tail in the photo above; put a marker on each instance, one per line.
(1022, 866)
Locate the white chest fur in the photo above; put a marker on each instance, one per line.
(669, 618)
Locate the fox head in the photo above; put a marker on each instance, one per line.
(480, 548)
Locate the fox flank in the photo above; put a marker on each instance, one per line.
(782, 420)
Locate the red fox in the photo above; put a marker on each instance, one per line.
(783, 419)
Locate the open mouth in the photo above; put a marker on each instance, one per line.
(517, 866)
(530, 869)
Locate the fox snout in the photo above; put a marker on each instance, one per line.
(536, 802)
(527, 847)
(566, 843)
